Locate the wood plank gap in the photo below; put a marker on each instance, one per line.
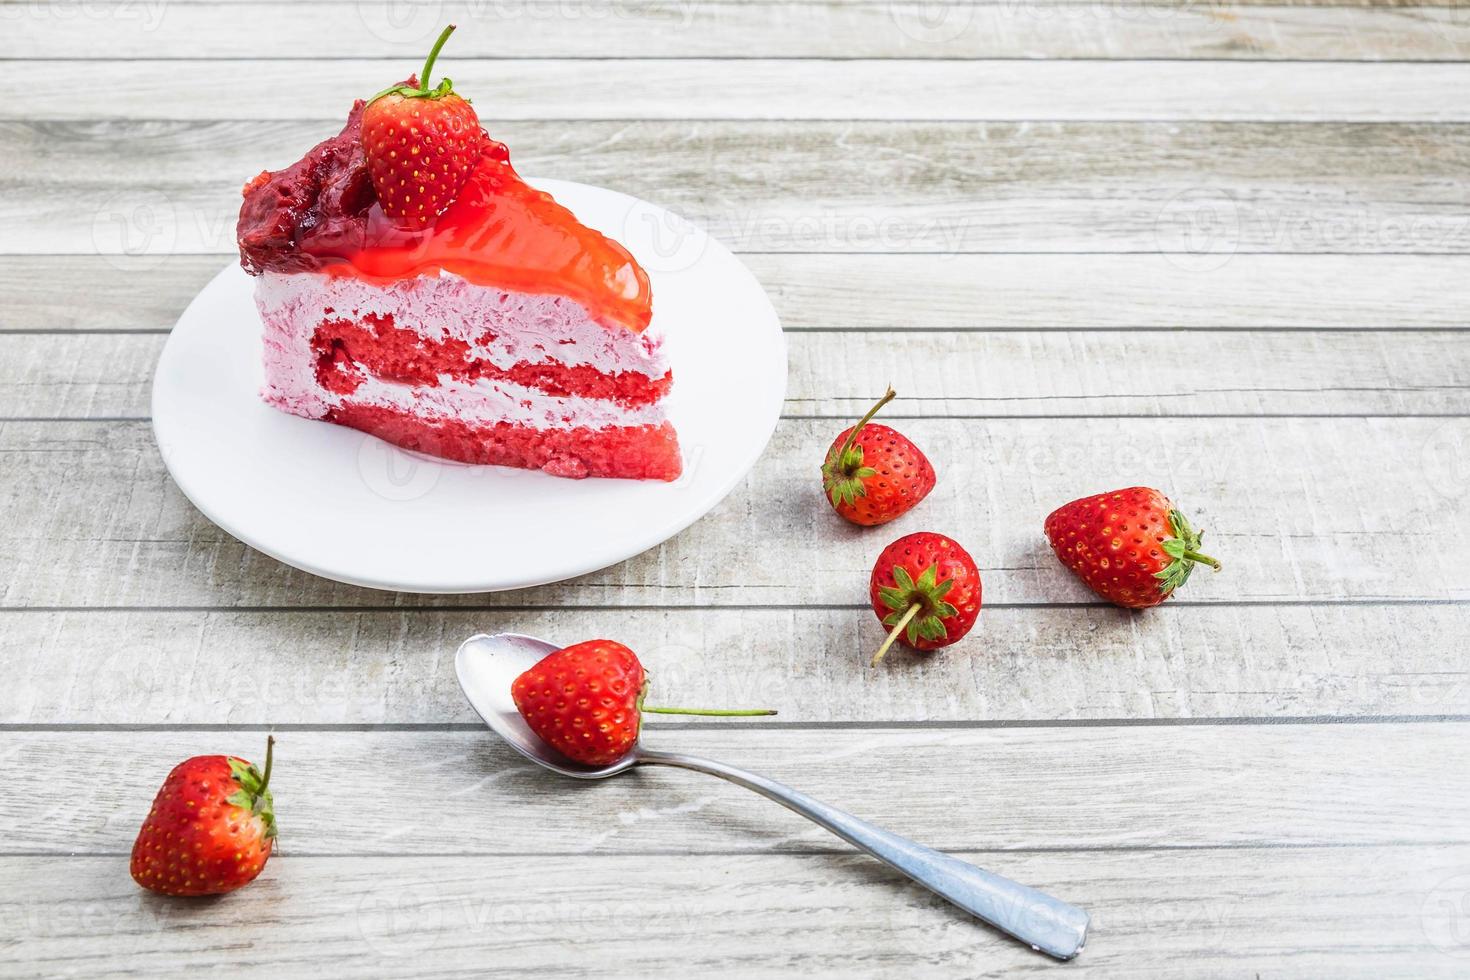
(792, 726)
(813, 851)
(1176, 603)
(823, 59)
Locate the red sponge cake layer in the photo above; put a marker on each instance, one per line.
(648, 452)
(384, 350)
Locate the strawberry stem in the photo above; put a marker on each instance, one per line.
(265, 777)
(852, 436)
(433, 54)
(717, 712)
(893, 634)
(1204, 559)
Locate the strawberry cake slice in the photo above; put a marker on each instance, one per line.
(412, 286)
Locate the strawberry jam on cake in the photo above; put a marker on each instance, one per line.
(413, 286)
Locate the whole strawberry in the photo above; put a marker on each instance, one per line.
(1132, 547)
(586, 701)
(211, 827)
(927, 589)
(420, 145)
(872, 473)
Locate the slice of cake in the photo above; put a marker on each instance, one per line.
(412, 286)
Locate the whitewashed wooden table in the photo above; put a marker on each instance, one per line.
(1220, 249)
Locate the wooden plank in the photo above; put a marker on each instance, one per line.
(793, 89)
(392, 667)
(1372, 913)
(1343, 509)
(1095, 787)
(1202, 191)
(918, 292)
(545, 8)
(664, 28)
(941, 375)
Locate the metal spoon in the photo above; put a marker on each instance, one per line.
(488, 664)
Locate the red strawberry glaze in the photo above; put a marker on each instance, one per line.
(322, 214)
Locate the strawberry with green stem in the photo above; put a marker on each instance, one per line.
(1133, 547)
(211, 827)
(873, 473)
(420, 144)
(927, 589)
(586, 701)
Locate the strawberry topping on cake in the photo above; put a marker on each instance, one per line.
(473, 317)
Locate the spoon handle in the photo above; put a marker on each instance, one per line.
(1033, 917)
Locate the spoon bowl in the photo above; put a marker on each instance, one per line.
(488, 665)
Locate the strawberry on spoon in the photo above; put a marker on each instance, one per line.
(927, 589)
(873, 473)
(210, 829)
(586, 701)
(420, 144)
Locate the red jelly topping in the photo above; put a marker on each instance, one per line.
(321, 214)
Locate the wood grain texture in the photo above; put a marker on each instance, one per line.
(1376, 913)
(393, 667)
(1205, 192)
(776, 89)
(1222, 248)
(669, 28)
(1340, 509)
(941, 374)
(1107, 787)
(889, 292)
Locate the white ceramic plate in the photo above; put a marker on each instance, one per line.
(347, 506)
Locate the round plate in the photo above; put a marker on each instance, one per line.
(345, 505)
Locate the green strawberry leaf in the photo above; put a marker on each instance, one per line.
(893, 598)
(253, 796)
(1183, 548)
(926, 592)
(931, 627)
(843, 471)
(844, 481)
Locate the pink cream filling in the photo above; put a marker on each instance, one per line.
(485, 355)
